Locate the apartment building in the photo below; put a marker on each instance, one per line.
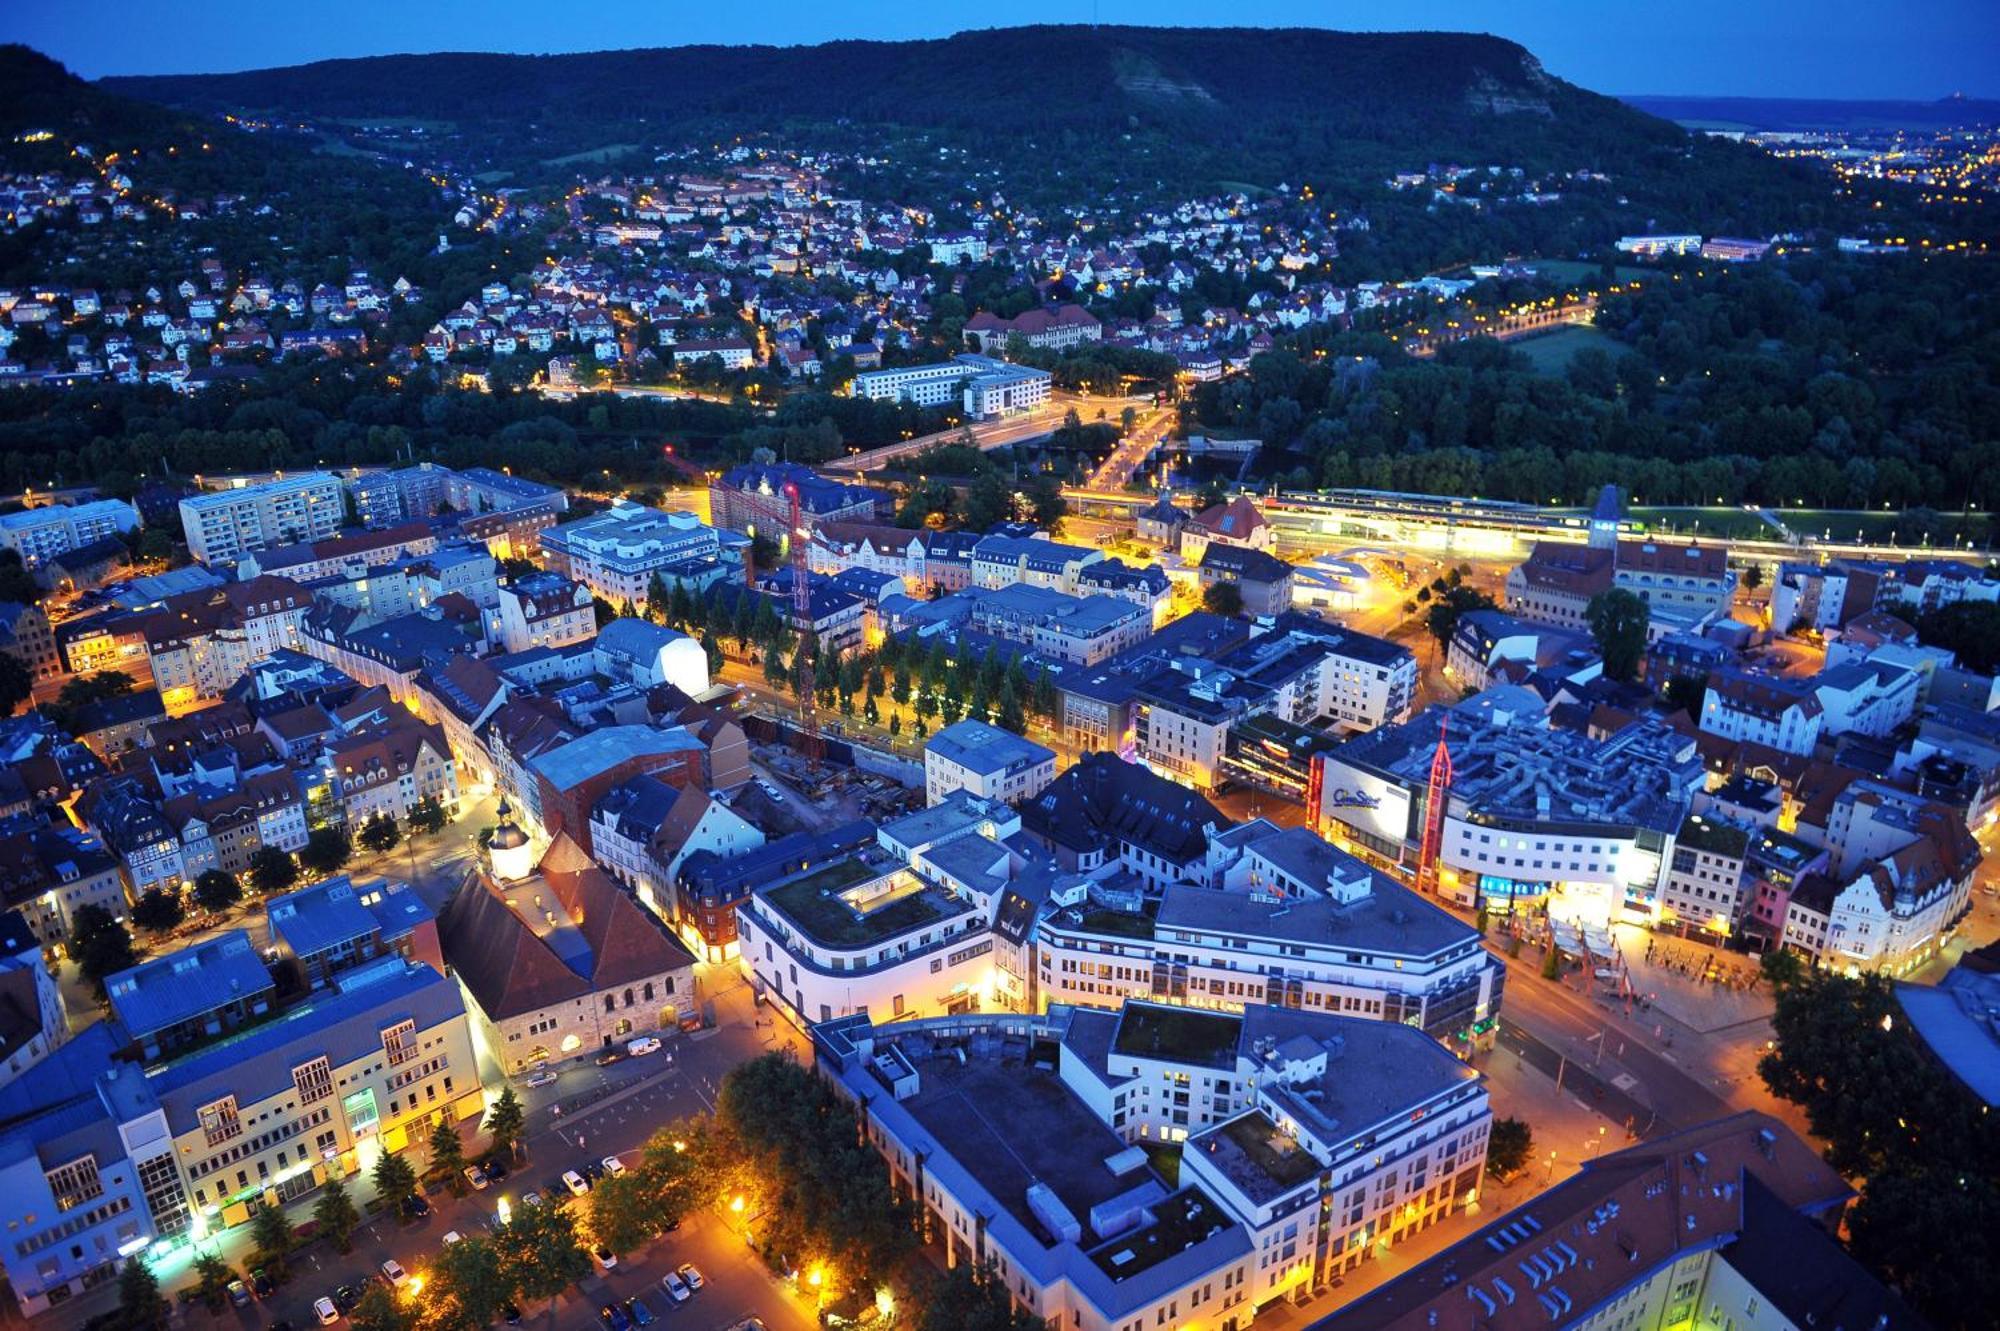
(484, 490)
(617, 553)
(38, 535)
(545, 610)
(224, 524)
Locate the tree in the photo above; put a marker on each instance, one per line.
(17, 683)
(427, 817)
(379, 834)
(988, 500)
(381, 1310)
(1618, 621)
(622, 1214)
(273, 871)
(1442, 617)
(1685, 693)
(1907, 1218)
(964, 1300)
(539, 1251)
(272, 1234)
(505, 1123)
(712, 650)
(99, 945)
(1507, 1146)
(158, 912)
(216, 891)
(139, 1301)
(395, 1181)
(1223, 598)
(1046, 502)
(1552, 963)
(468, 1285)
(215, 1275)
(1753, 576)
(448, 1155)
(327, 850)
(335, 1214)
(1013, 717)
(658, 599)
(1781, 969)
(1968, 629)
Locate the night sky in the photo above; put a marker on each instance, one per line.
(1920, 49)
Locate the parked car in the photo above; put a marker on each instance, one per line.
(613, 1166)
(452, 1236)
(675, 1287)
(261, 1282)
(510, 1313)
(415, 1207)
(606, 1259)
(496, 1169)
(645, 1044)
(476, 1176)
(640, 1314)
(324, 1310)
(346, 1296)
(531, 1198)
(592, 1169)
(771, 792)
(574, 1182)
(393, 1272)
(239, 1293)
(609, 1056)
(542, 1078)
(690, 1273)
(613, 1318)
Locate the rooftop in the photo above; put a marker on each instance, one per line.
(1178, 1034)
(986, 749)
(857, 902)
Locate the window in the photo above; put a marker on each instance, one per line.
(314, 1080)
(75, 1183)
(219, 1122)
(399, 1042)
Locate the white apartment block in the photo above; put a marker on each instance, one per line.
(223, 524)
(985, 761)
(40, 534)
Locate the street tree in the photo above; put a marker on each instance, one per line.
(271, 1235)
(217, 890)
(540, 1254)
(1618, 620)
(379, 834)
(381, 1310)
(1507, 1146)
(17, 683)
(622, 1214)
(213, 1277)
(427, 817)
(505, 1123)
(139, 1301)
(327, 850)
(965, 1299)
(272, 871)
(395, 1181)
(158, 912)
(336, 1215)
(447, 1150)
(468, 1286)
(99, 945)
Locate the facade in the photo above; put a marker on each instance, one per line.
(984, 387)
(1535, 813)
(1287, 1115)
(1779, 712)
(1002, 561)
(985, 761)
(752, 497)
(222, 525)
(618, 552)
(484, 490)
(1081, 630)
(38, 535)
(545, 610)
(556, 959)
(1047, 329)
(1279, 918)
(1264, 580)
(1239, 522)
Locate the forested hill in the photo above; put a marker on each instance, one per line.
(1413, 97)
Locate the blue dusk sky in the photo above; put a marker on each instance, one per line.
(1919, 49)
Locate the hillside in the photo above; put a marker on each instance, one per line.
(1789, 113)
(1405, 94)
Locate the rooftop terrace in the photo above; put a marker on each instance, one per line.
(854, 903)
(1181, 1035)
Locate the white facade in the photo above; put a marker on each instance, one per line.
(985, 761)
(222, 525)
(40, 534)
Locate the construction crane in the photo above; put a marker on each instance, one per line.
(810, 744)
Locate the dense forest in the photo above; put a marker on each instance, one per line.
(1824, 381)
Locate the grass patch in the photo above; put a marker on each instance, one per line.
(814, 902)
(1119, 923)
(1166, 1162)
(1551, 353)
(1184, 1035)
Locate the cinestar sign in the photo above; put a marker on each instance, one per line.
(1353, 799)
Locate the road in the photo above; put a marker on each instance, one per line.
(1507, 327)
(1148, 432)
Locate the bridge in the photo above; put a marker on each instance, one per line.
(1036, 424)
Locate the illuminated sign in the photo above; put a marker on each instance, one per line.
(1353, 799)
